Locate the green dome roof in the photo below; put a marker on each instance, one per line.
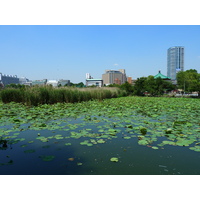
(161, 76)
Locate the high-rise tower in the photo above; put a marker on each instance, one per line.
(175, 61)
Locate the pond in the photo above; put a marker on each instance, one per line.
(124, 136)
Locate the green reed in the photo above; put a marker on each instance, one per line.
(48, 95)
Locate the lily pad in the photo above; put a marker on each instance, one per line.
(68, 144)
(168, 131)
(114, 159)
(29, 151)
(168, 142)
(101, 141)
(24, 145)
(195, 148)
(154, 147)
(79, 163)
(47, 158)
(143, 130)
(127, 137)
(16, 133)
(184, 142)
(143, 142)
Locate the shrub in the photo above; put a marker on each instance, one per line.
(10, 94)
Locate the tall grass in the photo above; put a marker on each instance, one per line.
(49, 95)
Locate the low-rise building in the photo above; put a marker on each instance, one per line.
(62, 82)
(25, 81)
(39, 82)
(54, 83)
(8, 79)
(129, 80)
(94, 82)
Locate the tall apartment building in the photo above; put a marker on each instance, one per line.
(114, 76)
(175, 61)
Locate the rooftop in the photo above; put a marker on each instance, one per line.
(161, 76)
(93, 79)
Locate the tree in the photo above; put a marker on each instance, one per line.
(16, 86)
(127, 87)
(189, 80)
(80, 85)
(113, 85)
(139, 87)
(154, 86)
(151, 86)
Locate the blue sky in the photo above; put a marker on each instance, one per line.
(71, 51)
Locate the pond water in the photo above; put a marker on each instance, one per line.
(124, 136)
(65, 153)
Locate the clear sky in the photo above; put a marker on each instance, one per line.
(71, 51)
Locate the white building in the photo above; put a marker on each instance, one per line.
(54, 83)
(88, 76)
(94, 82)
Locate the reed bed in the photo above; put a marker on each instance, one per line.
(49, 95)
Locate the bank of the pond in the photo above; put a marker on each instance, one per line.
(49, 95)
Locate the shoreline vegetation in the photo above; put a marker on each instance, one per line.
(34, 96)
(188, 85)
(187, 82)
(39, 95)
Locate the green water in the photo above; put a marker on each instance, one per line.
(81, 139)
(133, 158)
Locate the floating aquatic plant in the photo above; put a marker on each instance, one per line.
(114, 159)
(68, 144)
(29, 151)
(154, 147)
(167, 120)
(47, 158)
(79, 163)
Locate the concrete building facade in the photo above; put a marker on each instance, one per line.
(94, 82)
(114, 76)
(129, 80)
(175, 61)
(64, 82)
(8, 79)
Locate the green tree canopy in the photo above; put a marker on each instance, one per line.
(127, 87)
(139, 87)
(80, 85)
(189, 80)
(154, 86)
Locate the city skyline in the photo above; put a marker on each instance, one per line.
(69, 52)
